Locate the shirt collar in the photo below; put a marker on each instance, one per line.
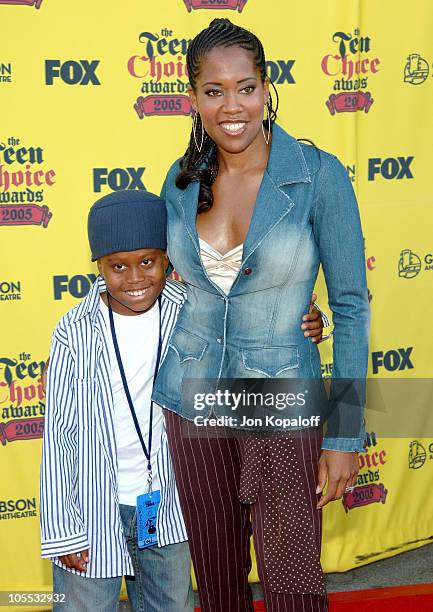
(286, 162)
(173, 292)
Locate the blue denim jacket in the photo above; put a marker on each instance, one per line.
(305, 215)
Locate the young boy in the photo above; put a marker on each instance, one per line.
(104, 440)
(97, 458)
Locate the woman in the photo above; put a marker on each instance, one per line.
(252, 213)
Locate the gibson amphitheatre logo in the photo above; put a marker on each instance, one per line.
(409, 264)
(416, 69)
(417, 455)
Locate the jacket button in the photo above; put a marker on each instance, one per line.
(248, 271)
(220, 340)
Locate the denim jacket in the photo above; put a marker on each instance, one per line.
(305, 215)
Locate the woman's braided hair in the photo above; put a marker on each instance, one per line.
(203, 166)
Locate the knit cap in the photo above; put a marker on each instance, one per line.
(127, 220)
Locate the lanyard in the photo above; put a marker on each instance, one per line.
(147, 451)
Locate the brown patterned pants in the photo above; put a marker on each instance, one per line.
(232, 487)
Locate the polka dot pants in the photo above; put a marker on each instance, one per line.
(230, 487)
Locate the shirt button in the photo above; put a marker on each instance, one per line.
(248, 271)
(220, 340)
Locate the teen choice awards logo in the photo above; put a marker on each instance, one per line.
(235, 5)
(351, 65)
(368, 489)
(35, 3)
(22, 405)
(24, 181)
(160, 65)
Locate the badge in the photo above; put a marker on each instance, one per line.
(147, 511)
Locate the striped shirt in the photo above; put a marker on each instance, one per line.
(79, 507)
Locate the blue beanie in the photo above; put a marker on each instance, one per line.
(127, 220)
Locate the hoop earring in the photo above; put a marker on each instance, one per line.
(194, 125)
(269, 125)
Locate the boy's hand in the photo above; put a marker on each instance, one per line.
(312, 322)
(76, 561)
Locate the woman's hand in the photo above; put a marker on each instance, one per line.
(312, 325)
(76, 561)
(340, 470)
(44, 375)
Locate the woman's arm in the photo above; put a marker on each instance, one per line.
(338, 233)
(337, 229)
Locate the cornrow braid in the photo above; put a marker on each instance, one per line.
(202, 165)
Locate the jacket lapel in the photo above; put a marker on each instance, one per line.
(188, 202)
(272, 204)
(103, 407)
(286, 165)
(93, 369)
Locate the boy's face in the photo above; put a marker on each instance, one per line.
(134, 279)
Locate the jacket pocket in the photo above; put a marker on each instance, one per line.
(187, 345)
(271, 360)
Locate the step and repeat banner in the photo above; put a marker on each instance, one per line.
(94, 98)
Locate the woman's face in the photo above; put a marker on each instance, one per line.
(230, 97)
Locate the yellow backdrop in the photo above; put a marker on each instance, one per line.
(93, 98)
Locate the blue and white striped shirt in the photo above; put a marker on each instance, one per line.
(79, 506)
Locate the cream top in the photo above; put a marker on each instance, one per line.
(221, 269)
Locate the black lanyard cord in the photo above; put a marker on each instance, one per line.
(147, 451)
